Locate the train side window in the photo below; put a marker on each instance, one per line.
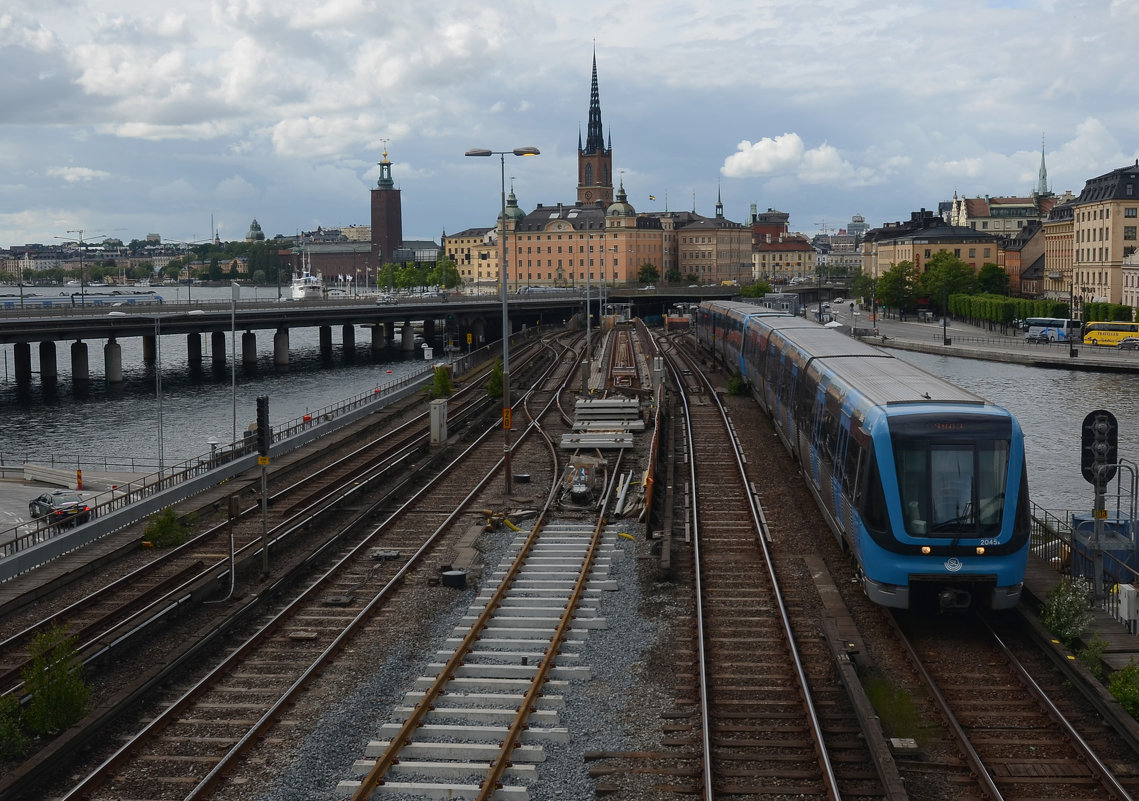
(850, 479)
(873, 509)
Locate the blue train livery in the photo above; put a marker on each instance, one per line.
(922, 482)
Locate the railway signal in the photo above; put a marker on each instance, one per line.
(1099, 448)
(264, 430)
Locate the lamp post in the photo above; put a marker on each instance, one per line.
(233, 353)
(503, 278)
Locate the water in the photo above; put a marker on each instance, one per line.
(122, 421)
(1050, 406)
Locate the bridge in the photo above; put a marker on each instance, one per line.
(480, 316)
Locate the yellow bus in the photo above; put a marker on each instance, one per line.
(1105, 333)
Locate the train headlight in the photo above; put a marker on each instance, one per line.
(980, 551)
(925, 549)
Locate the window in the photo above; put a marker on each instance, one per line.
(972, 253)
(1129, 212)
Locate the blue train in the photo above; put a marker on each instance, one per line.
(923, 483)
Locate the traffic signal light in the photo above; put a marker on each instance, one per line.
(264, 430)
(1099, 449)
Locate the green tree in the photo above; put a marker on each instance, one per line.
(946, 275)
(215, 273)
(756, 290)
(648, 274)
(442, 386)
(992, 280)
(898, 286)
(862, 285)
(673, 276)
(54, 679)
(494, 381)
(387, 276)
(13, 741)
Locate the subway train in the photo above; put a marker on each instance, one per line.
(922, 482)
(72, 300)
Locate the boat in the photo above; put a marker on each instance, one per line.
(308, 285)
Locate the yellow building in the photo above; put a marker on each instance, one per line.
(1104, 227)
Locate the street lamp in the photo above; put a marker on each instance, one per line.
(503, 277)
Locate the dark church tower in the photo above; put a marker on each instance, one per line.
(595, 160)
(387, 217)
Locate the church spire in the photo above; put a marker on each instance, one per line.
(595, 160)
(594, 140)
(1042, 180)
(719, 203)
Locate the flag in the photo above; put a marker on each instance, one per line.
(652, 197)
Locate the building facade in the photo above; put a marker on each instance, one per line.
(1105, 222)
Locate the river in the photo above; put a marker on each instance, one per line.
(122, 421)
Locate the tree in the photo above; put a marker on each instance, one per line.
(756, 290)
(992, 280)
(648, 274)
(862, 285)
(494, 381)
(673, 276)
(946, 275)
(898, 286)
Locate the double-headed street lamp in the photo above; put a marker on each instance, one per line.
(503, 278)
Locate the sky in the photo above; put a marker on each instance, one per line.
(121, 118)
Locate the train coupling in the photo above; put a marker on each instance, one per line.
(952, 598)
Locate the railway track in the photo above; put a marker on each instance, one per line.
(1013, 739)
(347, 488)
(750, 702)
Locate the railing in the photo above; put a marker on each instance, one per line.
(1054, 541)
(26, 535)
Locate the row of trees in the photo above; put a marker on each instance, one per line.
(949, 284)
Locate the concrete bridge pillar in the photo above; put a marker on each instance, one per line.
(326, 340)
(23, 353)
(429, 332)
(249, 349)
(389, 332)
(217, 348)
(379, 338)
(48, 371)
(194, 349)
(407, 338)
(281, 347)
(149, 349)
(80, 369)
(349, 339)
(113, 362)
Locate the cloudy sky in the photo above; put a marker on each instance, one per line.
(128, 117)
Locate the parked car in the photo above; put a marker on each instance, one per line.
(385, 300)
(837, 300)
(1039, 339)
(62, 506)
(1129, 343)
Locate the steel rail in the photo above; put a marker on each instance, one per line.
(414, 720)
(829, 777)
(120, 757)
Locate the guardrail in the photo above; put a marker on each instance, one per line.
(24, 536)
(1054, 540)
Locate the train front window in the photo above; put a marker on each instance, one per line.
(950, 487)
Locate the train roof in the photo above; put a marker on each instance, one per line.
(881, 377)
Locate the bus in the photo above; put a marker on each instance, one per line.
(1051, 329)
(1106, 333)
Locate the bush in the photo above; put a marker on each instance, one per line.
(442, 387)
(1091, 656)
(494, 382)
(1124, 686)
(1067, 610)
(736, 384)
(54, 679)
(165, 530)
(13, 741)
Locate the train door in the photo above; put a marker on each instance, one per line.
(818, 415)
(839, 480)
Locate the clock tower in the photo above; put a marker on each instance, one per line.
(595, 160)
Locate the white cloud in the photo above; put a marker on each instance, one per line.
(77, 174)
(764, 157)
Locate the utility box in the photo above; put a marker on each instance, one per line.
(438, 421)
(1129, 607)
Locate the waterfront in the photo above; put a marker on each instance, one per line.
(121, 422)
(116, 422)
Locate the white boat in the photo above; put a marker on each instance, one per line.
(308, 285)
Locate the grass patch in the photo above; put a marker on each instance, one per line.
(895, 707)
